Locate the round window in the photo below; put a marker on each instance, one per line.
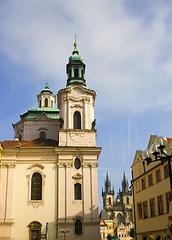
(77, 163)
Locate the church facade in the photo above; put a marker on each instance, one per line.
(48, 174)
(118, 210)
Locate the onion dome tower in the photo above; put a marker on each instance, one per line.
(75, 69)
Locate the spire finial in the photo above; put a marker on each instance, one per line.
(75, 44)
(47, 87)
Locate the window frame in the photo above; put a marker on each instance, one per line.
(140, 210)
(76, 189)
(166, 171)
(145, 209)
(150, 180)
(75, 226)
(152, 207)
(77, 120)
(143, 182)
(33, 169)
(158, 175)
(160, 205)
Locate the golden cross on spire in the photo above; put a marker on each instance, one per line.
(75, 44)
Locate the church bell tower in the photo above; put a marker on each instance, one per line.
(77, 156)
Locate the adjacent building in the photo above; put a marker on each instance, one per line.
(48, 174)
(151, 196)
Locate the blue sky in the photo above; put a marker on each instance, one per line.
(127, 47)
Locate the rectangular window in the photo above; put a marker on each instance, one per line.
(158, 175)
(137, 186)
(139, 207)
(168, 197)
(143, 183)
(152, 207)
(150, 180)
(166, 171)
(145, 209)
(160, 205)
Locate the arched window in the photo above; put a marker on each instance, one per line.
(35, 230)
(109, 200)
(52, 103)
(77, 163)
(119, 218)
(82, 73)
(77, 120)
(78, 227)
(42, 135)
(76, 72)
(40, 103)
(77, 191)
(127, 200)
(46, 102)
(36, 186)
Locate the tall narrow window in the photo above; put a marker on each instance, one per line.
(140, 212)
(76, 72)
(152, 207)
(168, 198)
(77, 191)
(145, 209)
(77, 120)
(40, 103)
(160, 205)
(158, 175)
(143, 183)
(166, 171)
(110, 201)
(42, 135)
(119, 219)
(78, 227)
(150, 180)
(51, 103)
(36, 186)
(46, 102)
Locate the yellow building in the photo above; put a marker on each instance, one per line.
(151, 197)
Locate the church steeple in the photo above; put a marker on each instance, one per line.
(75, 69)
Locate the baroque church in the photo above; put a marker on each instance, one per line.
(48, 174)
(118, 210)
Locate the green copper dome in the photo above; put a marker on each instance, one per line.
(46, 89)
(75, 56)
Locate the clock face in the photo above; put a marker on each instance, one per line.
(77, 163)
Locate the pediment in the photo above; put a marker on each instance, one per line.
(42, 118)
(77, 176)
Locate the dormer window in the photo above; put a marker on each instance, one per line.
(42, 135)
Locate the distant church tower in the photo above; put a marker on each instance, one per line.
(108, 197)
(120, 209)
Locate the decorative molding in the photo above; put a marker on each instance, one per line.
(77, 106)
(36, 165)
(94, 165)
(77, 176)
(35, 204)
(5, 164)
(45, 129)
(86, 165)
(61, 165)
(69, 165)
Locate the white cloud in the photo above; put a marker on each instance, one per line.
(129, 58)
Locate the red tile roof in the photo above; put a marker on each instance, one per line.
(35, 143)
